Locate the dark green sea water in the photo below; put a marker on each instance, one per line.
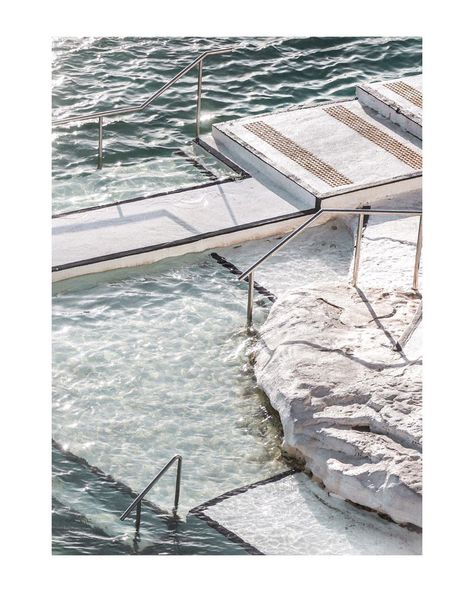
(262, 74)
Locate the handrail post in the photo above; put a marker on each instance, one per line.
(177, 486)
(198, 100)
(365, 211)
(138, 516)
(355, 271)
(418, 256)
(137, 108)
(250, 300)
(101, 137)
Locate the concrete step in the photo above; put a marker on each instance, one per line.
(400, 101)
(333, 155)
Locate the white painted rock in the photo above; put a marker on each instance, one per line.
(350, 406)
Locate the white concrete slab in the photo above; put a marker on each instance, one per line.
(147, 230)
(372, 170)
(294, 516)
(399, 109)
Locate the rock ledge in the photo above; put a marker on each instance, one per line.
(350, 406)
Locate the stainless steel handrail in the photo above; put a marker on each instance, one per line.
(248, 273)
(99, 115)
(137, 502)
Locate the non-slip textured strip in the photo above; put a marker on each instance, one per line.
(407, 92)
(298, 154)
(376, 135)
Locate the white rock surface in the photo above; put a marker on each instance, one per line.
(349, 405)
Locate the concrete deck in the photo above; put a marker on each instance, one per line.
(399, 100)
(341, 154)
(329, 155)
(147, 230)
(292, 515)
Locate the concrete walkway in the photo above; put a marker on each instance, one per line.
(342, 154)
(147, 230)
(292, 515)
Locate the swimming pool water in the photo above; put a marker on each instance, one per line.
(86, 509)
(154, 365)
(153, 361)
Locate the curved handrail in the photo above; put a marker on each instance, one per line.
(137, 502)
(248, 273)
(144, 105)
(99, 115)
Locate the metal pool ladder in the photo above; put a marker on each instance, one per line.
(99, 115)
(137, 502)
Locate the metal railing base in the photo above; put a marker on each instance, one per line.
(137, 502)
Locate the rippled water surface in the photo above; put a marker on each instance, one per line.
(140, 150)
(153, 365)
(154, 361)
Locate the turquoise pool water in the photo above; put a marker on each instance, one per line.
(154, 361)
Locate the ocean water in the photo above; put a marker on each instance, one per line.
(142, 150)
(153, 361)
